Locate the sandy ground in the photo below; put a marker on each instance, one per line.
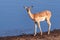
(55, 35)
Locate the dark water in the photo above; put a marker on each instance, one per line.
(14, 19)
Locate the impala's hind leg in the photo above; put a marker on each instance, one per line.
(49, 25)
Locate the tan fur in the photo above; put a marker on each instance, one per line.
(40, 16)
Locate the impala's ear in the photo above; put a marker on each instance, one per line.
(31, 6)
(25, 7)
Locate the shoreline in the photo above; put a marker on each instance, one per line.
(54, 35)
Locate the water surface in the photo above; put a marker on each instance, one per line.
(14, 19)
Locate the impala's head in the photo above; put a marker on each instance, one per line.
(28, 8)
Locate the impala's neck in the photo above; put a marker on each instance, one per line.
(30, 14)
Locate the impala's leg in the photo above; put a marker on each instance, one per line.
(40, 27)
(35, 29)
(49, 26)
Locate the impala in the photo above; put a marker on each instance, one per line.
(38, 17)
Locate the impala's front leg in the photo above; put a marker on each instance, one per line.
(40, 27)
(35, 29)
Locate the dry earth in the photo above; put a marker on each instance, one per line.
(55, 35)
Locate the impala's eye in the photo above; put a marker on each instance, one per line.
(27, 10)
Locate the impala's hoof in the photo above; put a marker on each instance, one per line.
(48, 33)
(34, 34)
(41, 33)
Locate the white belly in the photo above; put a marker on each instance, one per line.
(42, 19)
